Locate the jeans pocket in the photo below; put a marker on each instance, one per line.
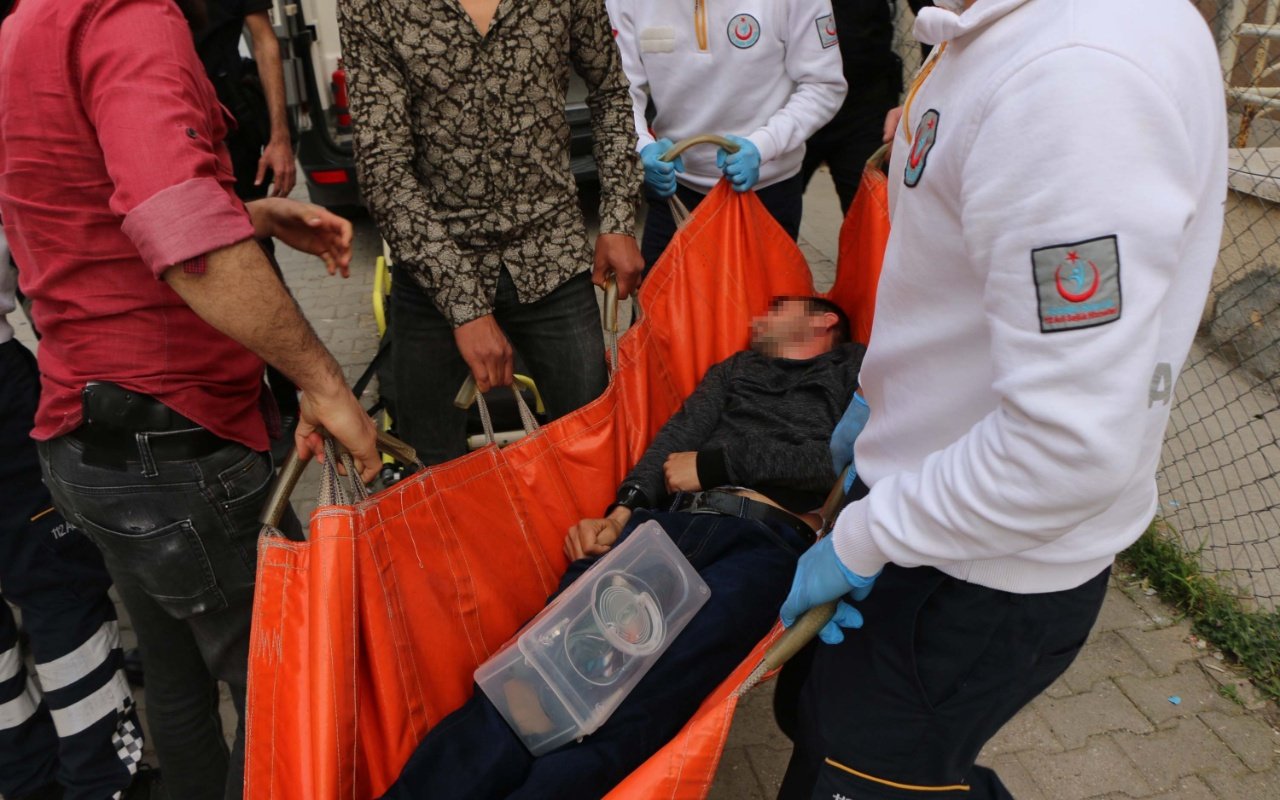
(246, 481)
(168, 562)
(956, 631)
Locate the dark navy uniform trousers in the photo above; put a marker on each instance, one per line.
(76, 724)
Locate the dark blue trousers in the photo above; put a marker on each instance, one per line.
(473, 754)
(82, 731)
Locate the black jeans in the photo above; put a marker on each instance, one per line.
(181, 546)
(784, 201)
(83, 731)
(559, 337)
(474, 755)
(902, 707)
(845, 143)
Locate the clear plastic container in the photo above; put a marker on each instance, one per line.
(567, 670)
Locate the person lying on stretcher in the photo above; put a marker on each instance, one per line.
(739, 467)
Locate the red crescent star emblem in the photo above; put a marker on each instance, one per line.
(1082, 296)
(831, 27)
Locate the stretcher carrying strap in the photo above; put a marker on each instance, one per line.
(333, 491)
(287, 480)
(470, 393)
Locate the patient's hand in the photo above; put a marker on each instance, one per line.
(682, 473)
(591, 537)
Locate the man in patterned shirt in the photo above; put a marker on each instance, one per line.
(462, 148)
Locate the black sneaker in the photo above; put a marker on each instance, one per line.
(147, 785)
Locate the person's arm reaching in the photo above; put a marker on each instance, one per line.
(278, 154)
(385, 155)
(304, 227)
(1070, 427)
(239, 294)
(165, 171)
(595, 57)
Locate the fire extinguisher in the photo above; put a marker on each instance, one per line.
(339, 87)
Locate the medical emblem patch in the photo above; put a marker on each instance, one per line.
(926, 135)
(1077, 285)
(744, 31)
(827, 31)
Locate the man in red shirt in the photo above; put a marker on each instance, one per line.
(157, 307)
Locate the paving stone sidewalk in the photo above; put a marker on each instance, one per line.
(1108, 729)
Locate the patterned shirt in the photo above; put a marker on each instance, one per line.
(462, 145)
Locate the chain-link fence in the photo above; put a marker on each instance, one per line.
(1220, 474)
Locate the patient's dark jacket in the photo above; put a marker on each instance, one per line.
(761, 423)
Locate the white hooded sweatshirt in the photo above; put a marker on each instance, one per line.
(766, 70)
(1056, 219)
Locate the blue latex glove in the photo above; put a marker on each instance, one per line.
(846, 433)
(820, 578)
(661, 175)
(741, 168)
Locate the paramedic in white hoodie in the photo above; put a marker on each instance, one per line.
(765, 73)
(1056, 193)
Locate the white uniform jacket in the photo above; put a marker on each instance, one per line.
(766, 70)
(1056, 220)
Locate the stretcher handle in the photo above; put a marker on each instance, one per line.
(291, 473)
(470, 393)
(680, 212)
(609, 314)
(794, 639)
(880, 158)
(675, 150)
(609, 319)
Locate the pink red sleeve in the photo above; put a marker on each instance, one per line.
(145, 92)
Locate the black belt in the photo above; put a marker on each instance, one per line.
(732, 505)
(118, 421)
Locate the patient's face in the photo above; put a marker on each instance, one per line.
(788, 322)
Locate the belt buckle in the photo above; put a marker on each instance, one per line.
(698, 504)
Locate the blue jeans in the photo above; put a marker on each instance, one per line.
(559, 337)
(473, 754)
(83, 732)
(181, 545)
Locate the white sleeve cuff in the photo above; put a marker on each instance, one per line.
(764, 142)
(853, 543)
(643, 140)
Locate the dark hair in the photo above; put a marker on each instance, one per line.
(840, 332)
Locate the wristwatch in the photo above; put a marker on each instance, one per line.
(630, 496)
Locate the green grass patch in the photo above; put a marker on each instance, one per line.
(1218, 615)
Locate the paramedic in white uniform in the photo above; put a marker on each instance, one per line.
(1056, 194)
(765, 73)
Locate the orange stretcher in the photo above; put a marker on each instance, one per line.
(367, 634)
